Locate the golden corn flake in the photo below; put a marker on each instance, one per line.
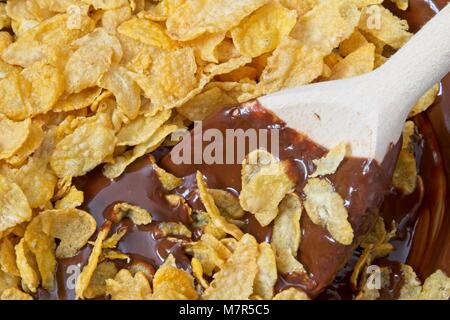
(263, 174)
(235, 280)
(138, 215)
(357, 63)
(327, 24)
(197, 271)
(194, 18)
(205, 103)
(12, 135)
(267, 275)
(125, 286)
(13, 96)
(86, 274)
(291, 294)
(5, 20)
(388, 29)
(97, 286)
(288, 263)
(214, 214)
(411, 285)
(73, 199)
(330, 162)
(114, 239)
(147, 32)
(207, 46)
(14, 206)
(8, 281)
(172, 76)
(227, 203)
(84, 149)
(121, 162)
(35, 138)
(26, 263)
(264, 29)
(45, 84)
(111, 19)
(169, 278)
(326, 208)
(436, 287)
(292, 64)
(126, 91)
(405, 174)
(141, 129)
(286, 228)
(401, 4)
(5, 40)
(71, 226)
(35, 179)
(110, 254)
(210, 252)
(168, 180)
(91, 60)
(15, 294)
(353, 43)
(8, 257)
(43, 247)
(426, 100)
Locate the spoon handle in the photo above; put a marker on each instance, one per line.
(416, 67)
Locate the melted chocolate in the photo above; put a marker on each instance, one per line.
(360, 182)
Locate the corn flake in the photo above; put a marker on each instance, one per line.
(194, 18)
(235, 280)
(263, 174)
(330, 162)
(125, 286)
(326, 208)
(266, 276)
(264, 29)
(14, 206)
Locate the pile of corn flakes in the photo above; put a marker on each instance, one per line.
(85, 83)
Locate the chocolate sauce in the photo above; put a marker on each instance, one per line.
(362, 184)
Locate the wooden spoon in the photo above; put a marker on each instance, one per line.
(369, 111)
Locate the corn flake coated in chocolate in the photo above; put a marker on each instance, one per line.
(330, 162)
(174, 229)
(138, 215)
(86, 274)
(213, 212)
(325, 207)
(263, 174)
